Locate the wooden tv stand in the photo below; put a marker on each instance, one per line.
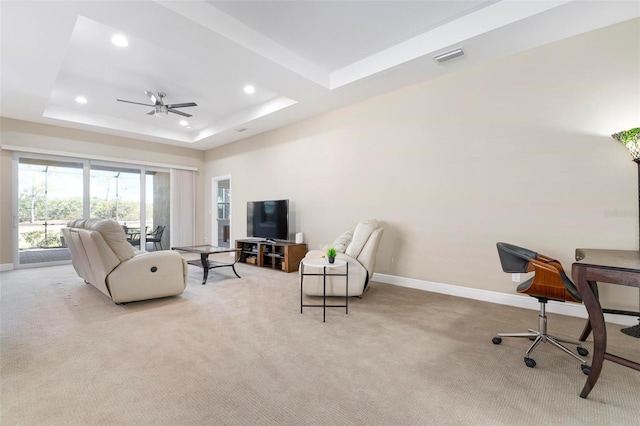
(281, 255)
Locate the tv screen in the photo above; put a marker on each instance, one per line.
(268, 219)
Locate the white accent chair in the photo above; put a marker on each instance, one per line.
(102, 256)
(358, 248)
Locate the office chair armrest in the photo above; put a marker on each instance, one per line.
(550, 261)
(551, 267)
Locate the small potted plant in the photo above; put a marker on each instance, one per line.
(331, 254)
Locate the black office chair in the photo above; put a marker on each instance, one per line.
(549, 283)
(155, 237)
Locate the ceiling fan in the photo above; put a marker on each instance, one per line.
(161, 109)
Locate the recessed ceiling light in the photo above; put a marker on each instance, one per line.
(249, 89)
(189, 127)
(119, 40)
(184, 123)
(81, 99)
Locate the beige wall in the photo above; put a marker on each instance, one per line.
(517, 150)
(32, 136)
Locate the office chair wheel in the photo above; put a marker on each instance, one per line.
(582, 351)
(530, 362)
(586, 369)
(496, 340)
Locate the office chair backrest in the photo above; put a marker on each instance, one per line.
(514, 259)
(549, 282)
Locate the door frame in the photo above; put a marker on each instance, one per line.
(214, 209)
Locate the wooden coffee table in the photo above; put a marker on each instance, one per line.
(204, 251)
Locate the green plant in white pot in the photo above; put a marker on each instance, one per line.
(630, 139)
(331, 255)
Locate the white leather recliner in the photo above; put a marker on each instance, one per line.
(358, 248)
(102, 256)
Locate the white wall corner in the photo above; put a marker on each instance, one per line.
(520, 301)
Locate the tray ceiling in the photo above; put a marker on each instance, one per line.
(301, 57)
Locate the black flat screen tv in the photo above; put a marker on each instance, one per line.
(268, 219)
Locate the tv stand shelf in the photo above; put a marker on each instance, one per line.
(282, 255)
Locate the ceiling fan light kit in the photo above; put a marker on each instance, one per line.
(160, 109)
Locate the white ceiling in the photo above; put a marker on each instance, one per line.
(302, 57)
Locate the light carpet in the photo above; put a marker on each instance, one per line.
(238, 352)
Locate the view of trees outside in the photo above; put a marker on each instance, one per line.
(115, 194)
(50, 194)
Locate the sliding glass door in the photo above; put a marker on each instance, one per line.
(49, 195)
(53, 190)
(115, 193)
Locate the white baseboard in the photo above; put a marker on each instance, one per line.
(520, 301)
(6, 267)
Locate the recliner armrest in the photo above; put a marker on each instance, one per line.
(148, 276)
(155, 265)
(164, 262)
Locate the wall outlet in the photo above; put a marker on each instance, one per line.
(515, 278)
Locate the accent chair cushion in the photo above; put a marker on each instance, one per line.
(360, 236)
(341, 243)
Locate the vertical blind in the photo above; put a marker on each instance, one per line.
(183, 189)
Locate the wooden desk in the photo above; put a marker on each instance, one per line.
(609, 266)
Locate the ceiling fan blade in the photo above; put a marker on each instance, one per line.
(131, 102)
(152, 112)
(179, 113)
(153, 98)
(188, 104)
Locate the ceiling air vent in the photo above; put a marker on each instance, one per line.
(447, 56)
